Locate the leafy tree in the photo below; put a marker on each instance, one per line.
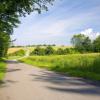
(81, 42)
(4, 44)
(49, 50)
(23, 7)
(96, 44)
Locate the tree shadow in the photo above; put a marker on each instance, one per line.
(7, 83)
(12, 70)
(11, 61)
(67, 84)
(83, 91)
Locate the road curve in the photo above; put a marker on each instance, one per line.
(24, 82)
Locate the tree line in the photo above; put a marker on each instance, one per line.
(49, 50)
(81, 44)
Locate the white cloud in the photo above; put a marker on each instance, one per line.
(89, 32)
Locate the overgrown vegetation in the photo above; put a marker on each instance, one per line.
(82, 65)
(2, 68)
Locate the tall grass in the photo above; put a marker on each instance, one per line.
(2, 69)
(82, 65)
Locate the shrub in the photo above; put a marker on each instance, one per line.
(96, 44)
(70, 51)
(49, 50)
(60, 51)
(38, 51)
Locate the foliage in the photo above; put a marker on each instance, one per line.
(11, 10)
(43, 51)
(2, 68)
(49, 50)
(20, 52)
(82, 43)
(4, 44)
(60, 51)
(82, 65)
(96, 44)
(38, 51)
(70, 51)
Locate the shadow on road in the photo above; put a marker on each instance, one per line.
(68, 84)
(7, 83)
(12, 70)
(12, 62)
(86, 91)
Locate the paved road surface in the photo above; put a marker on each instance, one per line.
(22, 82)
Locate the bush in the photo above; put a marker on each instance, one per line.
(70, 51)
(96, 44)
(38, 51)
(20, 52)
(60, 51)
(43, 51)
(49, 50)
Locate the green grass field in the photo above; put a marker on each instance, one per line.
(81, 65)
(2, 68)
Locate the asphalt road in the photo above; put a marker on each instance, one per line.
(24, 82)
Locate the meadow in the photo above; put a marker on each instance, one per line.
(2, 69)
(80, 65)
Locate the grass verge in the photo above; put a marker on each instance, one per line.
(2, 68)
(81, 65)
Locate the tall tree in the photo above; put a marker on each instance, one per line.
(81, 42)
(4, 44)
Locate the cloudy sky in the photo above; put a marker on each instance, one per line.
(57, 26)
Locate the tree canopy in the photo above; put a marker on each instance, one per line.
(11, 10)
(81, 42)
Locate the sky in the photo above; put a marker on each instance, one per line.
(57, 25)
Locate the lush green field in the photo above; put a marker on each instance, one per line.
(2, 68)
(81, 65)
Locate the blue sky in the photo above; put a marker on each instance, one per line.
(57, 26)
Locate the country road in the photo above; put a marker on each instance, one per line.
(24, 82)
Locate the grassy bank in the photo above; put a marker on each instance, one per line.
(81, 65)
(2, 69)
